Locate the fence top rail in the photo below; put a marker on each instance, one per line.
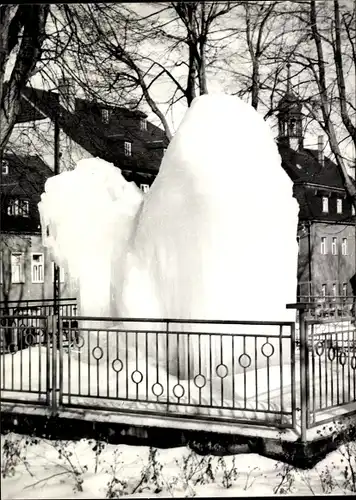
(20, 316)
(35, 301)
(175, 320)
(336, 321)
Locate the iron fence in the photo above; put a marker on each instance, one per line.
(230, 371)
(236, 372)
(27, 317)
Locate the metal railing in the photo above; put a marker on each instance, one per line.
(26, 316)
(326, 349)
(231, 372)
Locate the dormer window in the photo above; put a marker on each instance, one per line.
(105, 115)
(325, 204)
(145, 188)
(143, 124)
(339, 205)
(127, 148)
(5, 167)
(18, 207)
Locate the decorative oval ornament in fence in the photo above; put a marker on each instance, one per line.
(136, 377)
(178, 391)
(319, 348)
(267, 349)
(353, 362)
(244, 360)
(200, 381)
(157, 389)
(331, 353)
(117, 365)
(222, 370)
(342, 358)
(97, 353)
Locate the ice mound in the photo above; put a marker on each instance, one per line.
(214, 238)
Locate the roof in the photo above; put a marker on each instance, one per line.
(86, 127)
(312, 180)
(290, 103)
(303, 166)
(25, 180)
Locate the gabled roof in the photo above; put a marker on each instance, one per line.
(25, 180)
(86, 127)
(303, 166)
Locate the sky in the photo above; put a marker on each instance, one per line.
(216, 84)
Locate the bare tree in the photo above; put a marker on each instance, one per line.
(22, 33)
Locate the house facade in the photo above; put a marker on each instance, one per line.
(327, 222)
(85, 129)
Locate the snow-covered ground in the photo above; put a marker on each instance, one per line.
(88, 469)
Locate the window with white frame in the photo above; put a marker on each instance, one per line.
(339, 205)
(323, 249)
(344, 289)
(127, 148)
(18, 207)
(17, 267)
(145, 187)
(61, 274)
(143, 124)
(325, 204)
(334, 246)
(344, 246)
(323, 290)
(5, 167)
(37, 268)
(105, 115)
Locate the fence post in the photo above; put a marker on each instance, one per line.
(55, 324)
(304, 372)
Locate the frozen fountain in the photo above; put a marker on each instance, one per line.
(213, 239)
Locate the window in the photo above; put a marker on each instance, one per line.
(325, 204)
(352, 210)
(344, 289)
(18, 207)
(334, 246)
(127, 148)
(334, 290)
(323, 290)
(143, 124)
(37, 268)
(5, 167)
(105, 115)
(344, 246)
(17, 268)
(61, 274)
(145, 187)
(323, 248)
(339, 206)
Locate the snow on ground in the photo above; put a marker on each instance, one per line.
(50, 469)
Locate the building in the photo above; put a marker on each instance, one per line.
(326, 230)
(78, 129)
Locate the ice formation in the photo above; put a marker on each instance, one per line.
(214, 238)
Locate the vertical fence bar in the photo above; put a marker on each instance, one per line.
(60, 401)
(292, 366)
(54, 361)
(303, 375)
(48, 326)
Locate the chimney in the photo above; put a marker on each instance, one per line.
(67, 93)
(321, 150)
